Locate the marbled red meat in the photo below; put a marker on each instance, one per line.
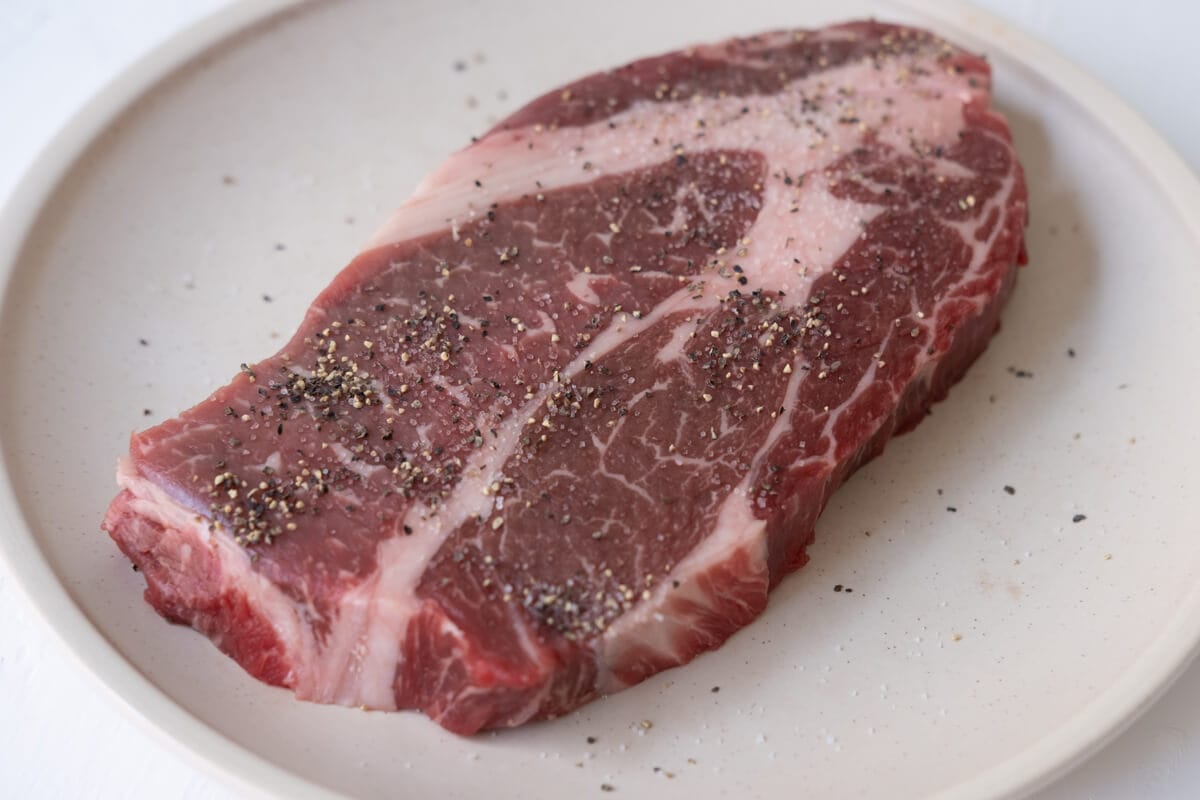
(576, 408)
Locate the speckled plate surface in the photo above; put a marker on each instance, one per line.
(1018, 577)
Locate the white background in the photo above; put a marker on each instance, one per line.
(61, 735)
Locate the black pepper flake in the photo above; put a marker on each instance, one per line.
(1020, 373)
(1070, 352)
(716, 689)
(838, 587)
(951, 509)
(408, 530)
(1009, 490)
(607, 787)
(591, 740)
(144, 342)
(146, 412)
(266, 298)
(1078, 518)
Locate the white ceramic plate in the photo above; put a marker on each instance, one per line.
(981, 651)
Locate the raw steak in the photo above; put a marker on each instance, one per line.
(577, 407)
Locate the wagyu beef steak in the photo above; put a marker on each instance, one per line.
(576, 408)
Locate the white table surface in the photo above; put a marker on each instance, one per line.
(62, 735)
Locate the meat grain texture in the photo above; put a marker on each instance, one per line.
(576, 408)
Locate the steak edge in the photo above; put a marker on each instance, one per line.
(576, 408)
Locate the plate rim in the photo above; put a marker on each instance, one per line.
(1162, 663)
(204, 747)
(147, 706)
